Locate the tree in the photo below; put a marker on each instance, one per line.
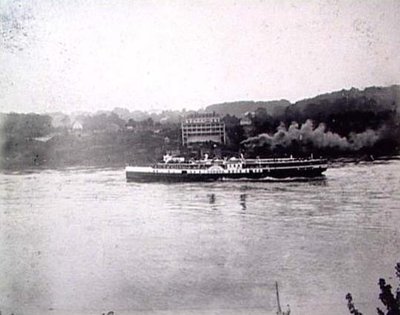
(234, 131)
(351, 306)
(26, 125)
(263, 122)
(388, 299)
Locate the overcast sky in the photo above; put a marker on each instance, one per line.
(90, 55)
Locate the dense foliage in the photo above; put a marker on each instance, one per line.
(25, 125)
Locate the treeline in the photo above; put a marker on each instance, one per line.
(30, 140)
(344, 123)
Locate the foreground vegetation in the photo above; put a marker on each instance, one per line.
(390, 301)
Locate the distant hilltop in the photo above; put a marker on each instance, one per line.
(375, 98)
(372, 98)
(384, 98)
(240, 108)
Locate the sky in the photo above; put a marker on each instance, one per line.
(152, 55)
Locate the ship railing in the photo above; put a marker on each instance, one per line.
(290, 161)
(283, 160)
(181, 166)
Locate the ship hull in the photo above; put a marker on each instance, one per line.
(280, 173)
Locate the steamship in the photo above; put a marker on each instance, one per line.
(178, 169)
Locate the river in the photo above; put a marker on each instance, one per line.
(85, 241)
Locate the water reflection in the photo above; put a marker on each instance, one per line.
(211, 199)
(243, 198)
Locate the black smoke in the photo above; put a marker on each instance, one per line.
(308, 138)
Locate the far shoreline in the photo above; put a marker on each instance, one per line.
(333, 162)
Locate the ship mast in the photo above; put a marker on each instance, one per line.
(277, 299)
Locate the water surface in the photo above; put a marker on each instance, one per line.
(84, 241)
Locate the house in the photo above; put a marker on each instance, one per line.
(77, 126)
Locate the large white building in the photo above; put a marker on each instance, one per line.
(203, 127)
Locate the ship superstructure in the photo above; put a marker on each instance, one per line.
(178, 169)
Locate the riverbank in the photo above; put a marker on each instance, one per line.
(74, 150)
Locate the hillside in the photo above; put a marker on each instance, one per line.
(372, 99)
(338, 123)
(273, 108)
(377, 99)
(342, 123)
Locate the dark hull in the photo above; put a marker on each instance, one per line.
(271, 173)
